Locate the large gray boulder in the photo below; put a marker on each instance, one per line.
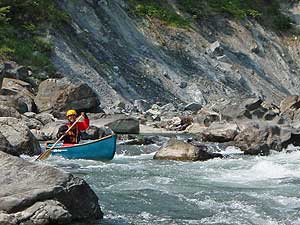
(19, 136)
(182, 151)
(5, 146)
(22, 92)
(125, 126)
(220, 132)
(8, 111)
(37, 194)
(260, 140)
(57, 95)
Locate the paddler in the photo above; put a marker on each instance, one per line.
(73, 136)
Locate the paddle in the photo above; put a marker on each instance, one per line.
(46, 153)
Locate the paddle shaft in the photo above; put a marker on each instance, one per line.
(45, 154)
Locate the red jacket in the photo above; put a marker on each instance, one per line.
(73, 136)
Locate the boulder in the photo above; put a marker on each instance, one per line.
(215, 49)
(141, 105)
(125, 126)
(50, 130)
(45, 118)
(92, 133)
(32, 123)
(220, 132)
(182, 151)
(14, 101)
(5, 146)
(194, 107)
(33, 193)
(7, 111)
(22, 91)
(19, 136)
(13, 70)
(57, 95)
(206, 117)
(290, 103)
(260, 140)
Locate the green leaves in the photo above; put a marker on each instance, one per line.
(3, 13)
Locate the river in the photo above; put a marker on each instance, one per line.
(235, 190)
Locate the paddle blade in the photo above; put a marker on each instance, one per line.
(44, 155)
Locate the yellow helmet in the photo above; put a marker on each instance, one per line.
(71, 112)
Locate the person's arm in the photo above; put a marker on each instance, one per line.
(61, 131)
(85, 123)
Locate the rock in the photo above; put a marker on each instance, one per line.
(194, 107)
(168, 108)
(19, 136)
(22, 91)
(33, 193)
(32, 123)
(45, 118)
(13, 70)
(57, 95)
(260, 140)
(92, 133)
(51, 129)
(7, 111)
(220, 132)
(5, 146)
(215, 49)
(206, 117)
(141, 105)
(183, 84)
(40, 135)
(182, 151)
(125, 126)
(30, 114)
(14, 101)
(290, 103)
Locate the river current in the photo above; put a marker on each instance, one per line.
(235, 190)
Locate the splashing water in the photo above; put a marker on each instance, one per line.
(238, 190)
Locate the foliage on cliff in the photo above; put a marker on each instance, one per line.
(23, 25)
(264, 11)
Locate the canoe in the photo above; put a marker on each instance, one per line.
(100, 149)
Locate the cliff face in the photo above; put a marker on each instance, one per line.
(124, 58)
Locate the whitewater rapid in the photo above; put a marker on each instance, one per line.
(235, 190)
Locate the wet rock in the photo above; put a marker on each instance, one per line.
(19, 136)
(220, 132)
(194, 107)
(33, 193)
(182, 151)
(59, 95)
(125, 126)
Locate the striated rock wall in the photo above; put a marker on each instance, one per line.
(124, 58)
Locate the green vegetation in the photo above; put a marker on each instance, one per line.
(160, 10)
(266, 12)
(22, 27)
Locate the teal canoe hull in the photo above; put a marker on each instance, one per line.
(101, 149)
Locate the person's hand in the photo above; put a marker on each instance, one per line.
(83, 115)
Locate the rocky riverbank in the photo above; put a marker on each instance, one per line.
(31, 112)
